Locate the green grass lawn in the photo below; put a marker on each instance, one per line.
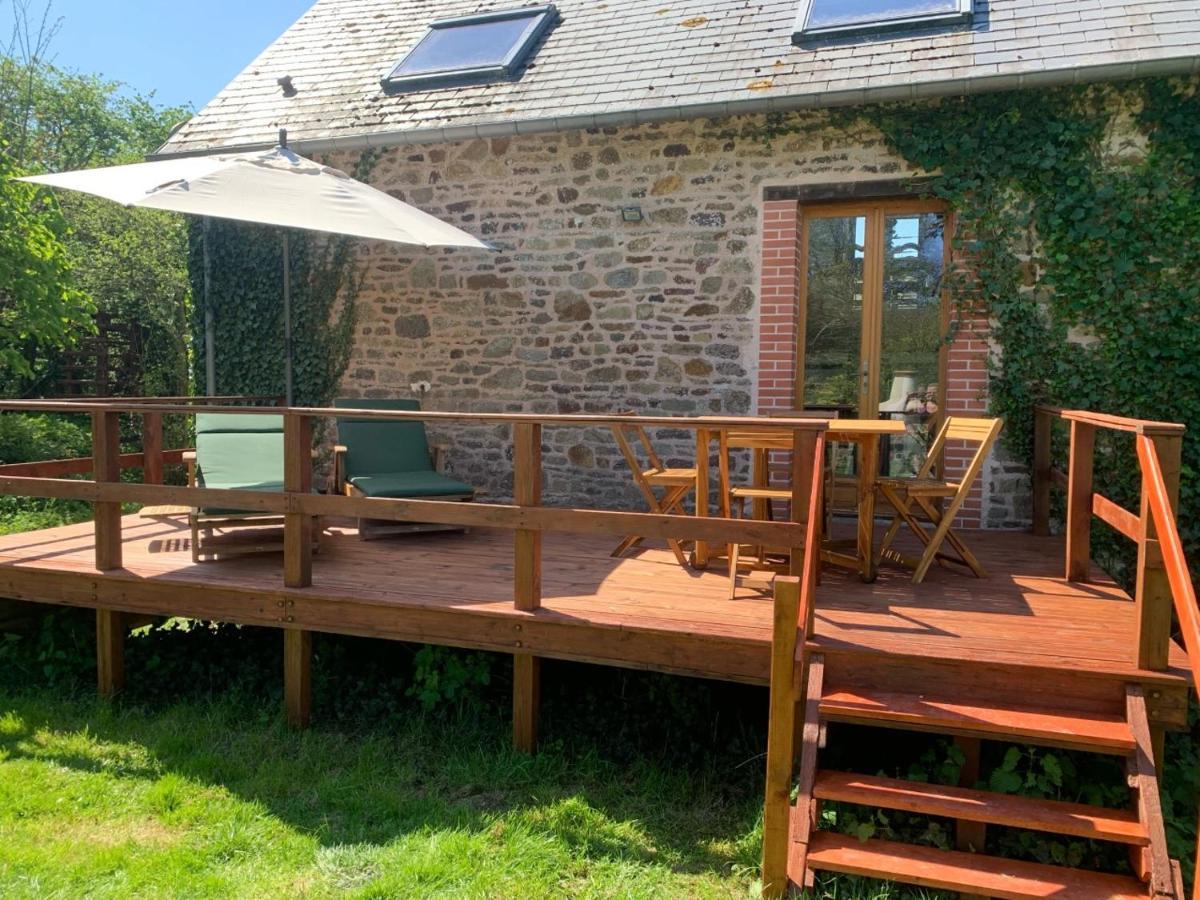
(221, 799)
(218, 798)
(191, 785)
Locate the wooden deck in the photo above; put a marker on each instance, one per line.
(643, 612)
(1046, 650)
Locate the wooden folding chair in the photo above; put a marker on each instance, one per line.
(830, 414)
(908, 496)
(676, 484)
(733, 502)
(761, 495)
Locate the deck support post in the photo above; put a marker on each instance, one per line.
(1079, 500)
(152, 448)
(781, 733)
(527, 692)
(106, 466)
(1152, 590)
(110, 652)
(297, 676)
(527, 580)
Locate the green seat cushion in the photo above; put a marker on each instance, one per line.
(239, 452)
(376, 445)
(410, 485)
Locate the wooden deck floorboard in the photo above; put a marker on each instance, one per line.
(648, 610)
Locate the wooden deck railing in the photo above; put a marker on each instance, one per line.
(1152, 589)
(151, 458)
(526, 517)
(1179, 579)
(792, 624)
(1163, 584)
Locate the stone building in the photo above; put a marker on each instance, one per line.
(652, 224)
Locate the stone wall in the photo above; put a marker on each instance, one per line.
(627, 277)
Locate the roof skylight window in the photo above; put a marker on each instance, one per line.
(821, 17)
(472, 49)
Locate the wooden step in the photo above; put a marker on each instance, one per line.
(972, 873)
(1080, 820)
(1076, 731)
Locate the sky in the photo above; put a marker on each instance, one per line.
(183, 52)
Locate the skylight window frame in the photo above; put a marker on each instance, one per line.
(960, 15)
(541, 19)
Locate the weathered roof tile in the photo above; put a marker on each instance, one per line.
(638, 57)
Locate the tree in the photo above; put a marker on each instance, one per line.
(40, 306)
(129, 265)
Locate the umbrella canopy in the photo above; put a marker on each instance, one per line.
(271, 187)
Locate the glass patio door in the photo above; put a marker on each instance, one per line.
(872, 317)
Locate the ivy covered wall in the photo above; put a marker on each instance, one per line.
(246, 294)
(1080, 227)
(1079, 212)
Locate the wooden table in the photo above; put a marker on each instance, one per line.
(865, 433)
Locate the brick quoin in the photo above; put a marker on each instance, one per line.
(779, 299)
(779, 294)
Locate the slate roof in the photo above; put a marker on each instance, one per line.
(620, 61)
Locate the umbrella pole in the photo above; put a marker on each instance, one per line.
(210, 362)
(287, 320)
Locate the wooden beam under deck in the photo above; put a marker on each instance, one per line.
(1023, 626)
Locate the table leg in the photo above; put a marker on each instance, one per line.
(759, 477)
(700, 553)
(868, 468)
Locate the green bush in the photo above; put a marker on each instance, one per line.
(27, 437)
(30, 437)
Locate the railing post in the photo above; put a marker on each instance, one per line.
(106, 467)
(152, 448)
(1042, 425)
(1079, 500)
(1152, 589)
(781, 736)
(297, 479)
(527, 579)
(297, 567)
(106, 516)
(703, 448)
(804, 463)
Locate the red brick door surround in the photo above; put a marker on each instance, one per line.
(779, 303)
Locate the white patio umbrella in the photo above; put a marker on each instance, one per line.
(271, 187)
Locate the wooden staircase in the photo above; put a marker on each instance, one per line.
(968, 869)
(975, 697)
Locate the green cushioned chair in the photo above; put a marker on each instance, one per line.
(236, 452)
(390, 458)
